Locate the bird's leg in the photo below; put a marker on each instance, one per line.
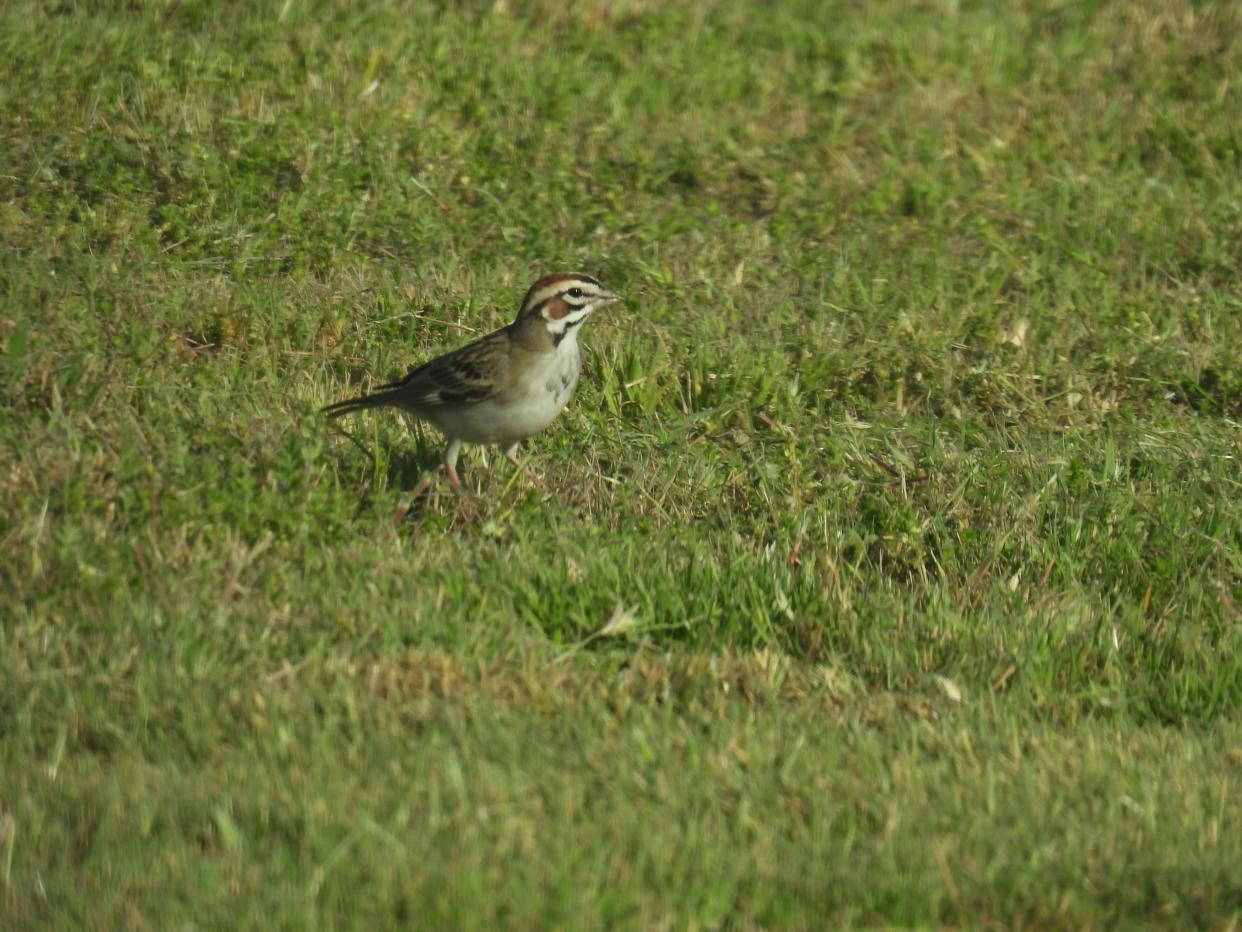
(450, 463)
(510, 453)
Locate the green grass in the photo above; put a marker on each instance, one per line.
(908, 473)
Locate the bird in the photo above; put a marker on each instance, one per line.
(505, 386)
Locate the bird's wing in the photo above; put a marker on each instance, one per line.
(468, 375)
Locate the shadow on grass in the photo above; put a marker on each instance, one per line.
(407, 467)
(403, 465)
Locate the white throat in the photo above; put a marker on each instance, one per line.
(565, 329)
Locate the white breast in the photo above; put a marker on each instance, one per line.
(520, 412)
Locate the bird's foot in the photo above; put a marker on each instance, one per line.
(424, 488)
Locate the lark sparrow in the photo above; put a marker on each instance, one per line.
(506, 386)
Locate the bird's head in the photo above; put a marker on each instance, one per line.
(562, 302)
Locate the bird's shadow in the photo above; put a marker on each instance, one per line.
(412, 470)
(407, 468)
(404, 465)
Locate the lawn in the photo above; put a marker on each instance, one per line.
(885, 570)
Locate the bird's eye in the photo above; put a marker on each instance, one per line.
(574, 292)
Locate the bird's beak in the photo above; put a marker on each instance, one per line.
(610, 297)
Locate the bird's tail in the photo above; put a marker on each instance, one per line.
(349, 406)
